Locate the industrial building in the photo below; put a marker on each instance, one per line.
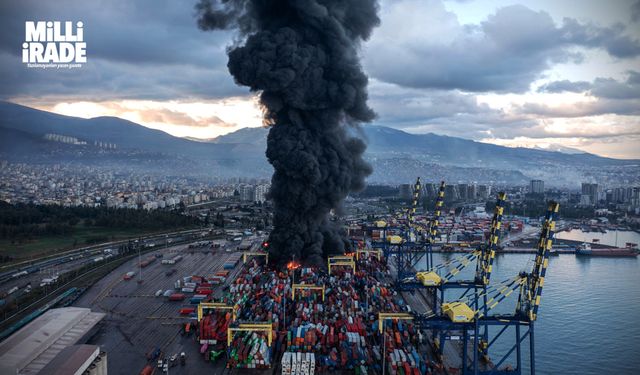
(49, 345)
(77, 359)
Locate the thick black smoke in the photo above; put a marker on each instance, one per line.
(302, 56)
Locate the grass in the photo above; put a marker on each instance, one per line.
(82, 236)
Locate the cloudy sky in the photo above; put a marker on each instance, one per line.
(544, 73)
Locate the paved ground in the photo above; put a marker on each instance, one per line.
(137, 322)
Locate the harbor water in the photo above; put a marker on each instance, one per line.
(587, 321)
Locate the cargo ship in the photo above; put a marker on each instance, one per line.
(631, 250)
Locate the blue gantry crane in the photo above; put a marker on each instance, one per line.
(409, 243)
(467, 316)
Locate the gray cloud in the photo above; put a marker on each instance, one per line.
(565, 86)
(442, 112)
(460, 114)
(635, 12)
(607, 88)
(583, 109)
(612, 89)
(611, 39)
(149, 49)
(506, 53)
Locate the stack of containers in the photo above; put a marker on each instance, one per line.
(218, 278)
(213, 328)
(189, 287)
(259, 295)
(231, 262)
(340, 333)
(249, 350)
(401, 354)
(337, 329)
(297, 363)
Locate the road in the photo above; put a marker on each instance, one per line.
(30, 274)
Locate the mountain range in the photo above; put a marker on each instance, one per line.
(395, 155)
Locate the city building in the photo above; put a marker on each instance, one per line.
(484, 191)
(406, 191)
(472, 192)
(591, 192)
(462, 191)
(450, 193)
(536, 187)
(430, 189)
(246, 193)
(260, 192)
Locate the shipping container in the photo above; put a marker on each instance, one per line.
(177, 297)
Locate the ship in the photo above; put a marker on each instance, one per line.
(631, 250)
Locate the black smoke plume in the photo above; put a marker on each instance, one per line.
(302, 56)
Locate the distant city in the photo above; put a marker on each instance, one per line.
(72, 185)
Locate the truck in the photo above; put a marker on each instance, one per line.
(170, 272)
(177, 297)
(152, 355)
(187, 310)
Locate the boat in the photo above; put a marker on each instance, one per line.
(629, 251)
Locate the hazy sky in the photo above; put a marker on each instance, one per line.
(563, 73)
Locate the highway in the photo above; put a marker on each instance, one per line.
(21, 278)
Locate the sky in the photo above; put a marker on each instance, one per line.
(561, 74)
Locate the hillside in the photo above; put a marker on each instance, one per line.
(395, 155)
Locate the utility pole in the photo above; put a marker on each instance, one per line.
(384, 348)
(139, 266)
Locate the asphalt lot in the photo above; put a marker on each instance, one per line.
(137, 322)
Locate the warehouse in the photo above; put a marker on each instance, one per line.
(34, 346)
(77, 359)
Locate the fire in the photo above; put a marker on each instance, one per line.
(293, 265)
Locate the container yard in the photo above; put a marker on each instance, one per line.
(143, 325)
(219, 309)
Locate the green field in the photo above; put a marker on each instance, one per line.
(81, 237)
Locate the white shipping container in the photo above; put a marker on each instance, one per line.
(312, 364)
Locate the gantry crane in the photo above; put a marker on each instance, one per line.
(485, 255)
(466, 316)
(392, 235)
(413, 245)
(437, 285)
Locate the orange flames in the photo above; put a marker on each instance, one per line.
(293, 265)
